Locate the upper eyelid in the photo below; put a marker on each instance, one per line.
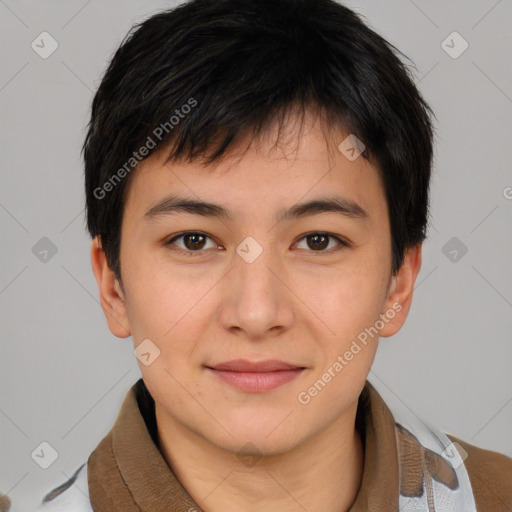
(340, 239)
(179, 235)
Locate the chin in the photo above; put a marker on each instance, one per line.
(259, 437)
(257, 445)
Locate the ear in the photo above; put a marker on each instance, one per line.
(400, 292)
(111, 294)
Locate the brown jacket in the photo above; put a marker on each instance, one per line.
(128, 473)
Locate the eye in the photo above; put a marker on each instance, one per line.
(320, 240)
(193, 243)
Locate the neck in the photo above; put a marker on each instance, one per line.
(323, 473)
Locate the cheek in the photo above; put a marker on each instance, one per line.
(165, 304)
(347, 301)
(351, 308)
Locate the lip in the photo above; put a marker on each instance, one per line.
(243, 365)
(254, 377)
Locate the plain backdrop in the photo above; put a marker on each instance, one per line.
(64, 376)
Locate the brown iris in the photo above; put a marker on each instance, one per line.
(320, 241)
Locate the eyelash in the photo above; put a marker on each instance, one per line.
(171, 241)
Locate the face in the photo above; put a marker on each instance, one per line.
(304, 291)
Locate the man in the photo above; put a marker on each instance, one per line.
(257, 183)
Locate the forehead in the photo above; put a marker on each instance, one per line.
(262, 175)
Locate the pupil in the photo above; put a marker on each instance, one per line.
(320, 245)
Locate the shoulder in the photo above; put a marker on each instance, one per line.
(490, 474)
(70, 496)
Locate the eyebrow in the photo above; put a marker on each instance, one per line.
(173, 204)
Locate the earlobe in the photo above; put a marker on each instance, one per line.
(111, 295)
(400, 292)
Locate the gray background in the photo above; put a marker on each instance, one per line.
(64, 376)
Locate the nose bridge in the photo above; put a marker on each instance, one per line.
(256, 267)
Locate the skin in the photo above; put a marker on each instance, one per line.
(295, 303)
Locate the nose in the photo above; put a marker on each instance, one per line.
(257, 300)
